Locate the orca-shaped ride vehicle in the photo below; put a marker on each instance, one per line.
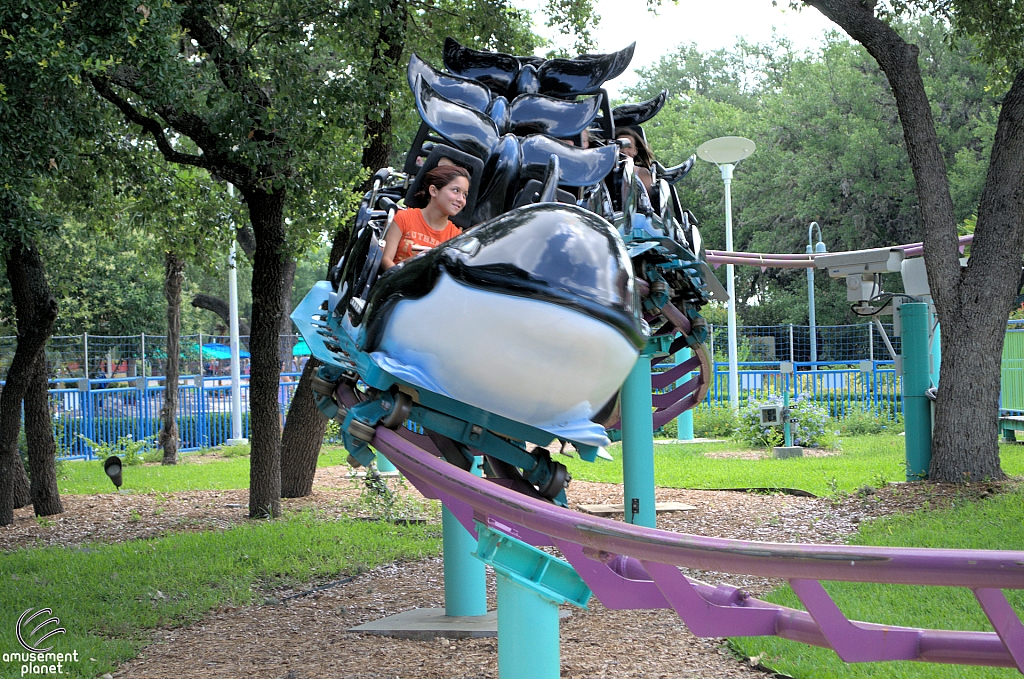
(522, 330)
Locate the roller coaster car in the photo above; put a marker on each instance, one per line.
(522, 329)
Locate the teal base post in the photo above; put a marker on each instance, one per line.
(531, 585)
(465, 577)
(684, 426)
(384, 464)
(528, 643)
(787, 433)
(638, 445)
(916, 379)
(684, 423)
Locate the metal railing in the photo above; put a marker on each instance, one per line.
(105, 410)
(123, 403)
(839, 387)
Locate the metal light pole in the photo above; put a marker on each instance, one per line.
(725, 152)
(236, 373)
(817, 248)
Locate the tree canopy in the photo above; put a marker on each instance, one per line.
(829, 150)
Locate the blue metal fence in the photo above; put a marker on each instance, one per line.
(853, 377)
(839, 387)
(104, 410)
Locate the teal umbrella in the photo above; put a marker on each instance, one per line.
(221, 352)
(301, 349)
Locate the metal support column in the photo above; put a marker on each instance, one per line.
(531, 584)
(528, 643)
(465, 577)
(638, 444)
(684, 423)
(384, 464)
(916, 379)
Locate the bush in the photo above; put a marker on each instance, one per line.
(240, 450)
(716, 421)
(127, 448)
(857, 422)
(809, 423)
(215, 430)
(332, 434)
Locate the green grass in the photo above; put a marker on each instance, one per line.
(996, 523)
(109, 597)
(871, 460)
(87, 477)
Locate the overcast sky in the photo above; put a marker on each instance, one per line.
(712, 24)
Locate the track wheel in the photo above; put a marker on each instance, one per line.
(557, 481)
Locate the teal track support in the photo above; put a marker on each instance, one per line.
(465, 577)
(531, 584)
(384, 464)
(787, 432)
(528, 643)
(638, 444)
(684, 423)
(916, 379)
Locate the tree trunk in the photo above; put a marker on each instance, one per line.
(965, 441)
(303, 436)
(286, 341)
(36, 311)
(174, 277)
(304, 429)
(42, 450)
(972, 303)
(22, 491)
(221, 308)
(266, 213)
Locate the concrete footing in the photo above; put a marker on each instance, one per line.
(424, 624)
(783, 452)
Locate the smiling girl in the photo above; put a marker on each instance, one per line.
(415, 230)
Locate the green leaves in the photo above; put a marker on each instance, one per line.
(829, 149)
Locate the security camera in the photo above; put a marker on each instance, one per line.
(843, 264)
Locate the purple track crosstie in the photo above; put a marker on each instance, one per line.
(632, 567)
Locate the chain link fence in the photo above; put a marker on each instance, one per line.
(113, 358)
(835, 343)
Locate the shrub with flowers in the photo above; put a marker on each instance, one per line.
(809, 424)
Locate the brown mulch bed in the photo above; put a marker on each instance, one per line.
(307, 637)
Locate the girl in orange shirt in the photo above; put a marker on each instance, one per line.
(417, 229)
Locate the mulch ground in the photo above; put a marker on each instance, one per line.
(306, 637)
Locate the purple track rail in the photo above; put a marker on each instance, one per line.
(632, 567)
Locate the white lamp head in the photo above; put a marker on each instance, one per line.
(726, 150)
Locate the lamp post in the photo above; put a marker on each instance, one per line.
(725, 152)
(819, 249)
(236, 373)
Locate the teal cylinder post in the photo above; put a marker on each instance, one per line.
(528, 643)
(684, 423)
(916, 379)
(638, 445)
(787, 439)
(384, 464)
(465, 576)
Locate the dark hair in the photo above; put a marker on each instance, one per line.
(644, 155)
(441, 176)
